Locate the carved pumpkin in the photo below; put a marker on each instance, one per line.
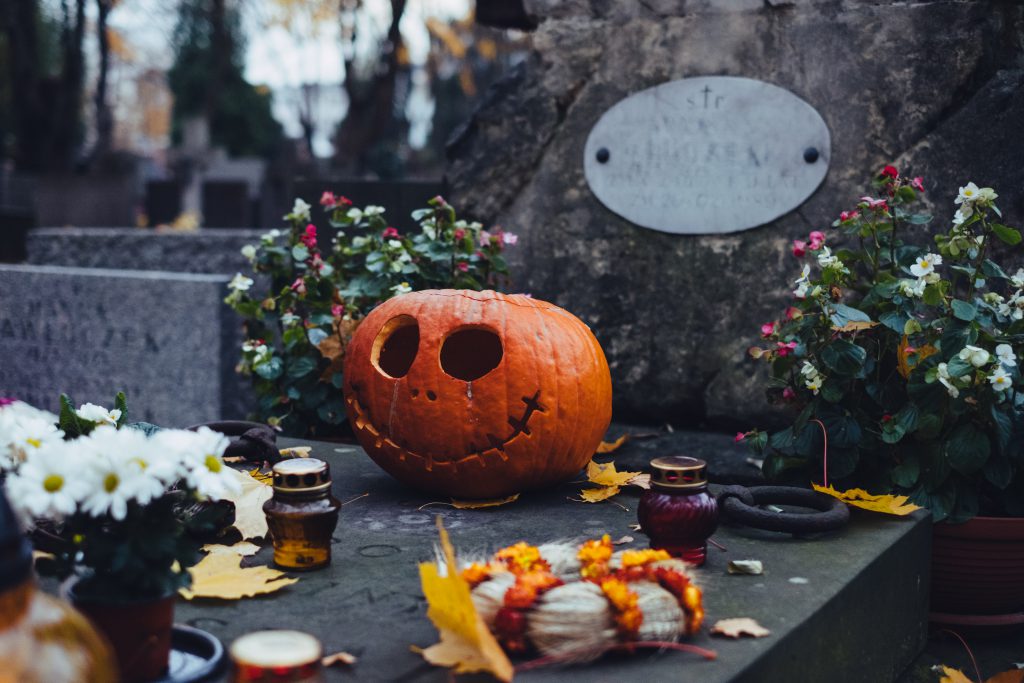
(476, 394)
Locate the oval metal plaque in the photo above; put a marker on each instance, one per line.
(705, 155)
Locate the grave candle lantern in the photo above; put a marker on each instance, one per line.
(677, 513)
(302, 514)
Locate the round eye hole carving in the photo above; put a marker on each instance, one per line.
(395, 347)
(470, 353)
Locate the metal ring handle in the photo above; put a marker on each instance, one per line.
(739, 505)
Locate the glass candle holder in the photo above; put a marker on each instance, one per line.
(302, 514)
(276, 657)
(677, 513)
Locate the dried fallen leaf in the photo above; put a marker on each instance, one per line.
(466, 644)
(854, 326)
(478, 504)
(262, 477)
(1011, 676)
(599, 494)
(249, 517)
(333, 347)
(242, 549)
(746, 567)
(219, 575)
(296, 452)
(610, 446)
(606, 475)
(739, 626)
(641, 480)
(338, 658)
(888, 504)
(903, 358)
(624, 540)
(950, 675)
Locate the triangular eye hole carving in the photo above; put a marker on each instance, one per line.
(470, 353)
(395, 347)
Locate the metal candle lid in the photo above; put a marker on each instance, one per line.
(302, 475)
(676, 472)
(275, 655)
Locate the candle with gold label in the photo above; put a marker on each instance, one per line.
(302, 514)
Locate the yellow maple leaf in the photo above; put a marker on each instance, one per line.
(242, 548)
(903, 364)
(854, 326)
(886, 503)
(610, 446)
(218, 575)
(606, 474)
(249, 517)
(477, 504)
(296, 452)
(950, 675)
(599, 494)
(466, 644)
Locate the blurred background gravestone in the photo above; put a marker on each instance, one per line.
(913, 84)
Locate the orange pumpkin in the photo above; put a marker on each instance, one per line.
(476, 394)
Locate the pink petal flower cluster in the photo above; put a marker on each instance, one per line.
(814, 242)
(309, 237)
(785, 348)
(329, 201)
(390, 233)
(767, 330)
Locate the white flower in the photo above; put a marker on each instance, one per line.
(987, 195)
(206, 471)
(1017, 279)
(802, 283)
(925, 265)
(1004, 352)
(912, 288)
(269, 237)
(373, 211)
(355, 214)
(814, 385)
(288, 319)
(959, 217)
(1000, 380)
(402, 288)
(300, 210)
(22, 432)
(359, 241)
(49, 484)
(509, 238)
(98, 414)
(974, 355)
(1013, 308)
(249, 251)
(944, 378)
(968, 193)
(112, 477)
(143, 472)
(808, 370)
(395, 244)
(240, 283)
(993, 298)
(825, 258)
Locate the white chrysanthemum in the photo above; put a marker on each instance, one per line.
(22, 432)
(98, 414)
(1005, 355)
(114, 479)
(925, 265)
(975, 355)
(1000, 380)
(49, 484)
(156, 470)
(202, 453)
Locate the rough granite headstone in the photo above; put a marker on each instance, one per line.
(166, 339)
(910, 83)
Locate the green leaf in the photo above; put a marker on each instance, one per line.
(292, 336)
(832, 390)
(967, 448)
(121, 403)
(939, 502)
(955, 337)
(906, 193)
(932, 295)
(844, 357)
(1006, 233)
(843, 432)
(895, 321)
(845, 314)
(316, 335)
(998, 471)
(300, 367)
(271, 369)
(1004, 426)
(300, 252)
(919, 218)
(907, 472)
(69, 422)
(958, 367)
(992, 269)
(963, 310)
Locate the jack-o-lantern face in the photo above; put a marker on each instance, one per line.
(476, 394)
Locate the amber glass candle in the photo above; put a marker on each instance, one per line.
(302, 514)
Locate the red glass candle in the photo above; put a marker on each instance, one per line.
(677, 513)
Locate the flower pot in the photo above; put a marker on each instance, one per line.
(978, 572)
(139, 631)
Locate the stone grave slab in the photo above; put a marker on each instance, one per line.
(860, 614)
(166, 339)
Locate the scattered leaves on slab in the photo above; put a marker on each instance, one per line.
(262, 477)
(950, 675)
(887, 504)
(242, 549)
(611, 446)
(296, 452)
(338, 658)
(855, 326)
(610, 481)
(466, 644)
(478, 504)
(739, 626)
(624, 540)
(754, 567)
(219, 575)
(598, 494)
(249, 517)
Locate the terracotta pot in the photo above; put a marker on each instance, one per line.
(139, 631)
(978, 572)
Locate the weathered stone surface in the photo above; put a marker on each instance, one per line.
(166, 339)
(935, 84)
(203, 251)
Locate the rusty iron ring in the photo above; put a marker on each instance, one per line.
(740, 505)
(252, 441)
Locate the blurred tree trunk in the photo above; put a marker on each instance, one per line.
(220, 43)
(67, 126)
(104, 118)
(30, 129)
(370, 104)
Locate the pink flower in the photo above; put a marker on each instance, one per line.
(817, 240)
(767, 330)
(509, 238)
(886, 418)
(793, 312)
(460, 235)
(909, 350)
(848, 215)
(390, 233)
(337, 310)
(309, 237)
(889, 172)
(876, 204)
(739, 437)
(785, 348)
(918, 184)
(788, 394)
(799, 248)
(484, 239)
(463, 266)
(340, 201)
(327, 200)
(4, 401)
(299, 286)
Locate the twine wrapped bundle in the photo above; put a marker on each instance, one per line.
(575, 602)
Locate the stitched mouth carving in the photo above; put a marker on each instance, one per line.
(495, 445)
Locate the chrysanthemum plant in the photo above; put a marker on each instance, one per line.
(905, 356)
(316, 283)
(122, 510)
